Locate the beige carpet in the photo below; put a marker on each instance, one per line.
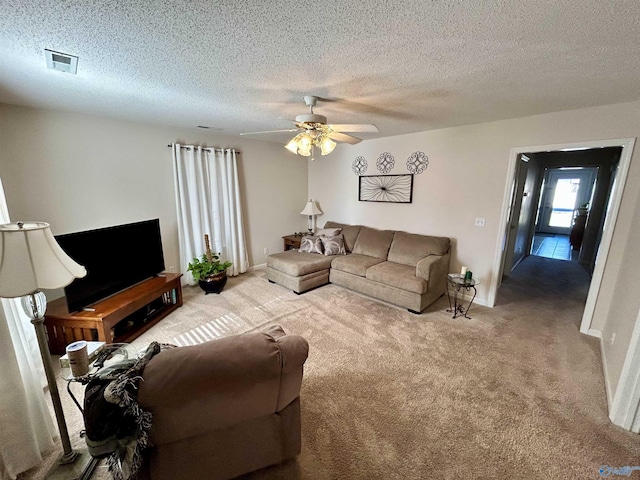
(515, 392)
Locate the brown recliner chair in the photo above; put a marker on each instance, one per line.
(225, 407)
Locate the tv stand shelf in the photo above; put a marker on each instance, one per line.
(119, 318)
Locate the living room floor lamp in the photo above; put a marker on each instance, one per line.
(31, 260)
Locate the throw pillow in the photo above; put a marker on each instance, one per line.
(328, 232)
(333, 245)
(311, 244)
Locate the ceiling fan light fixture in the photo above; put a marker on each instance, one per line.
(301, 144)
(315, 132)
(292, 146)
(305, 152)
(326, 145)
(305, 141)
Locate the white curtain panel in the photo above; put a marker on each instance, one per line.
(208, 201)
(26, 427)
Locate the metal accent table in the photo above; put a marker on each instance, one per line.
(112, 353)
(457, 282)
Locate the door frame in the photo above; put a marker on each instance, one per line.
(615, 200)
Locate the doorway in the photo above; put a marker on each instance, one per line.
(564, 190)
(624, 402)
(615, 187)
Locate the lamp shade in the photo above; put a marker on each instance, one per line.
(311, 209)
(327, 145)
(31, 259)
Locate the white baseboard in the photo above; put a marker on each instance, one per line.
(607, 383)
(257, 267)
(594, 333)
(624, 411)
(483, 302)
(478, 301)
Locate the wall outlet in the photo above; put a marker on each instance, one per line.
(266, 250)
(171, 269)
(479, 222)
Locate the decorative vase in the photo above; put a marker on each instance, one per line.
(213, 283)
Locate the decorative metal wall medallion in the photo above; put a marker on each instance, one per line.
(385, 162)
(359, 165)
(386, 188)
(417, 163)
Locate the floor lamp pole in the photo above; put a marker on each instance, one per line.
(69, 454)
(66, 466)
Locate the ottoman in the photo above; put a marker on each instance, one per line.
(298, 271)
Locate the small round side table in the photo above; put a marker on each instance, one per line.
(457, 283)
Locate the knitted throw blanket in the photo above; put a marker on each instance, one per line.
(116, 425)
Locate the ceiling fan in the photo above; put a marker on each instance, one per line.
(314, 131)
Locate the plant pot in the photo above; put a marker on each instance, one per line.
(213, 283)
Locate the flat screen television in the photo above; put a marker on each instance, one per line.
(115, 258)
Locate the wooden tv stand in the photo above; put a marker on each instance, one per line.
(119, 318)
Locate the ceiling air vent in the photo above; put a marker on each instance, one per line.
(62, 62)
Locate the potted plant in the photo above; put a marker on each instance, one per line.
(210, 272)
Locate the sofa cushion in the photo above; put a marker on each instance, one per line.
(296, 264)
(399, 275)
(349, 232)
(374, 243)
(408, 248)
(354, 263)
(333, 245)
(311, 244)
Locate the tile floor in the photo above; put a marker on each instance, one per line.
(553, 246)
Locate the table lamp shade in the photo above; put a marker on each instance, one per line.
(311, 209)
(31, 259)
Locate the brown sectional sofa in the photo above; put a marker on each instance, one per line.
(405, 269)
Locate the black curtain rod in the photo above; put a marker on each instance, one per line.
(209, 148)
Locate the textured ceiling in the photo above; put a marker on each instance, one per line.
(240, 66)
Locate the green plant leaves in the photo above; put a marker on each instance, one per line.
(201, 267)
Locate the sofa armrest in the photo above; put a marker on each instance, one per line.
(197, 389)
(295, 350)
(434, 269)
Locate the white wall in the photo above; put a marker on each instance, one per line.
(467, 177)
(79, 172)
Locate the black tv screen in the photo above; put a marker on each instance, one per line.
(115, 258)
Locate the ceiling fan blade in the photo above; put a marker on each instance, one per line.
(271, 131)
(343, 137)
(354, 127)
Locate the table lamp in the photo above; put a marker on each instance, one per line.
(311, 209)
(31, 260)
